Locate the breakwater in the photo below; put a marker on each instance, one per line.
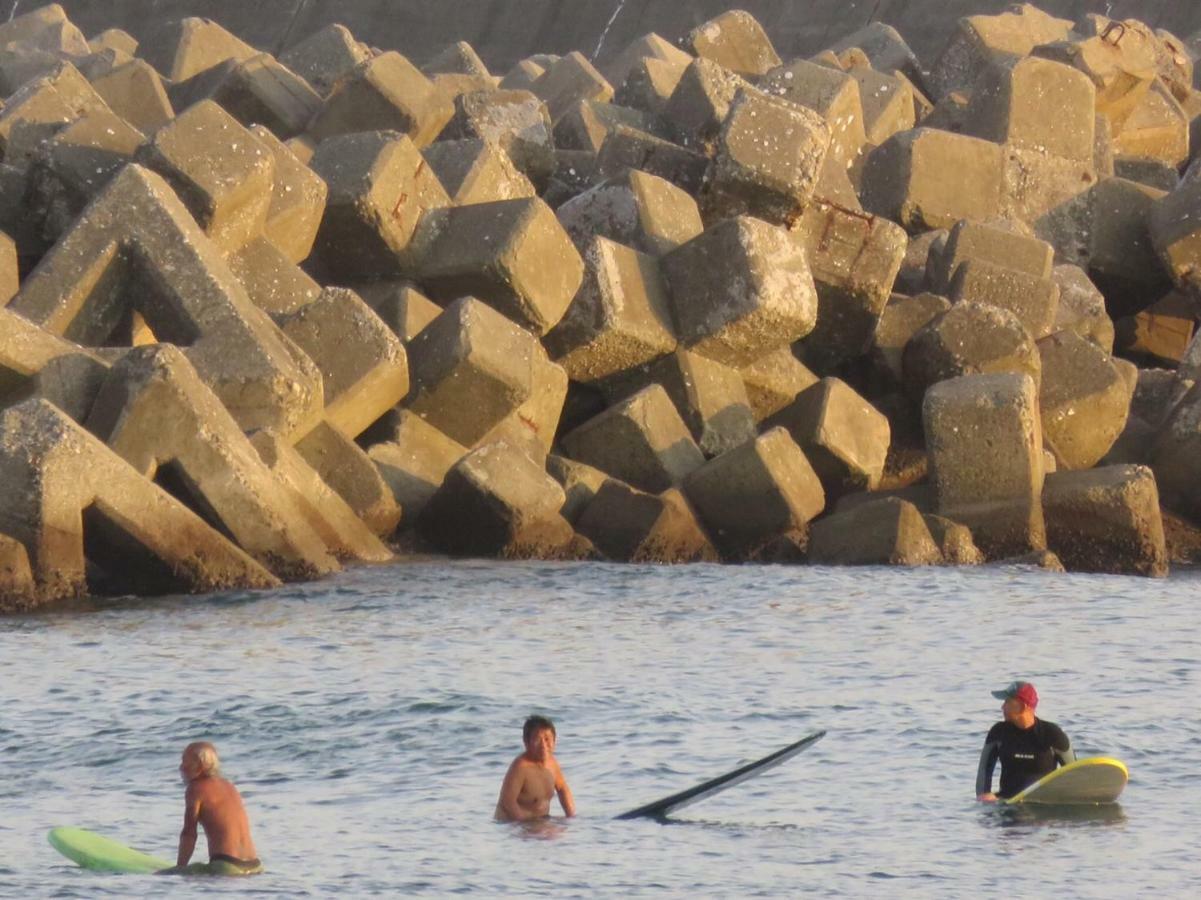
(268, 312)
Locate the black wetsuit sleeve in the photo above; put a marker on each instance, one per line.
(989, 755)
(1062, 746)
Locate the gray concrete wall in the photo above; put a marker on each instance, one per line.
(504, 31)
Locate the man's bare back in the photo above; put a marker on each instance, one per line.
(534, 778)
(214, 804)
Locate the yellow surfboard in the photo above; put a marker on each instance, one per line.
(1095, 780)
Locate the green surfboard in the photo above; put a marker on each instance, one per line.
(1096, 780)
(94, 851)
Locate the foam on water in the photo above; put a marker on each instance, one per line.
(368, 720)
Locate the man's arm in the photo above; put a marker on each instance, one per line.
(565, 799)
(1062, 745)
(510, 790)
(187, 837)
(988, 761)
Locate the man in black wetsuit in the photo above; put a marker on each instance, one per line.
(1027, 747)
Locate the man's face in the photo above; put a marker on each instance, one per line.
(1012, 709)
(541, 744)
(189, 768)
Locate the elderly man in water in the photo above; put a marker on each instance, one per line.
(214, 804)
(534, 777)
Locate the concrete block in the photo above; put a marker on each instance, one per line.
(968, 339)
(97, 64)
(1131, 233)
(1033, 300)
(476, 171)
(648, 47)
(327, 514)
(575, 173)
(854, 258)
(458, 58)
(18, 592)
(298, 196)
(834, 185)
(985, 442)
(844, 437)
(767, 161)
(255, 91)
(379, 187)
(1121, 70)
(954, 541)
(926, 179)
(184, 291)
(629, 148)
(326, 57)
(41, 108)
(135, 92)
(20, 65)
(403, 308)
(888, 105)
(115, 39)
(517, 121)
(643, 441)
(448, 87)
(75, 165)
(155, 413)
(36, 363)
(1157, 128)
(901, 319)
(45, 28)
(1159, 335)
(701, 101)
(413, 459)
(634, 208)
(221, 171)
(532, 427)
(1173, 456)
(989, 242)
(469, 369)
(512, 254)
(650, 83)
(1082, 307)
(1084, 400)
(569, 80)
(384, 93)
(773, 381)
(629, 525)
(496, 501)
(740, 290)
(1171, 220)
(757, 492)
(586, 124)
(886, 51)
(1106, 520)
(274, 283)
(361, 386)
(1009, 106)
(182, 48)
(710, 397)
(519, 78)
(1190, 363)
(350, 472)
(887, 532)
(735, 40)
(979, 41)
(580, 483)
(620, 317)
(67, 495)
(831, 93)
(1150, 172)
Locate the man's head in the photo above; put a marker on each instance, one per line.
(1020, 700)
(538, 734)
(199, 760)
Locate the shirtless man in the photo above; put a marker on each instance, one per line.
(534, 777)
(214, 804)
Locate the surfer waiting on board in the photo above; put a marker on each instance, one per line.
(1027, 746)
(534, 777)
(214, 804)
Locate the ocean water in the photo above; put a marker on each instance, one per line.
(368, 720)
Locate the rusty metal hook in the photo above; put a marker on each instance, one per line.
(1119, 27)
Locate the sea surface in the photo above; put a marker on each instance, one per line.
(368, 720)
